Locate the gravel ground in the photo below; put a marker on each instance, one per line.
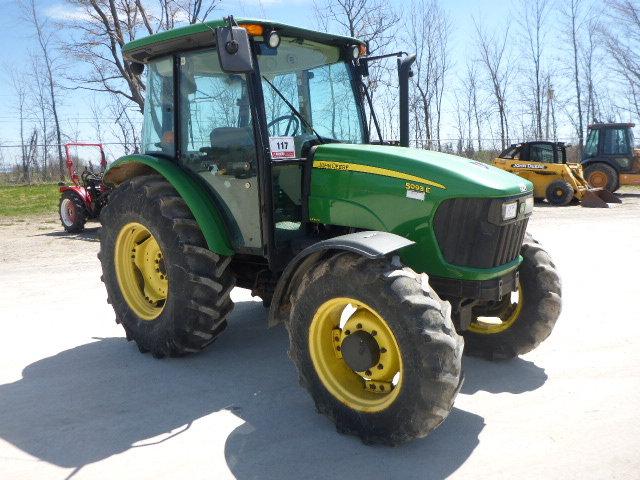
(77, 400)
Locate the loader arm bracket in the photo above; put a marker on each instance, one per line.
(370, 244)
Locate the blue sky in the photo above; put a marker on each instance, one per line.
(17, 41)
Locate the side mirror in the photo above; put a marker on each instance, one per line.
(234, 50)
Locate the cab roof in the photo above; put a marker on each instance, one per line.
(611, 125)
(202, 35)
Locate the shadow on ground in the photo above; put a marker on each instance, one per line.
(628, 195)
(510, 376)
(102, 398)
(89, 234)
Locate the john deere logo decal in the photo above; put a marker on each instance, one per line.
(529, 165)
(385, 172)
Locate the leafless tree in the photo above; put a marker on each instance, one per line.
(125, 128)
(621, 34)
(42, 105)
(372, 21)
(20, 92)
(428, 33)
(102, 28)
(572, 12)
(497, 64)
(50, 64)
(589, 62)
(532, 17)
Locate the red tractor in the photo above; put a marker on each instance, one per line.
(84, 199)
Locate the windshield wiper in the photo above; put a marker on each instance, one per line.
(293, 109)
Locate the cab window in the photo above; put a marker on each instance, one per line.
(541, 153)
(616, 142)
(158, 132)
(591, 147)
(216, 128)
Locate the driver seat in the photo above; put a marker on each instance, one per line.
(230, 137)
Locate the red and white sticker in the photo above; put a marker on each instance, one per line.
(282, 147)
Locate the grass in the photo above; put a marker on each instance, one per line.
(27, 200)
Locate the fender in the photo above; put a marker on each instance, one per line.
(370, 244)
(80, 191)
(594, 160)
(198, 199)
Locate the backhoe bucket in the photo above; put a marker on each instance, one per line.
(598, 198)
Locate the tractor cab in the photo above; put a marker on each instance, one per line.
(609, 158)
(538, 152)
(248, 134)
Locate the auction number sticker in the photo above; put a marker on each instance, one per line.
(282, 147)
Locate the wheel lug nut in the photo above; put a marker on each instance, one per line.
(373, 333)
(359, 326)
(380, 366)
(368, 373)
(347, 332)
(383, 350)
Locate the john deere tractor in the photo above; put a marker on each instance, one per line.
(258, 171)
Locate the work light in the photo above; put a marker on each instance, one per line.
(273, 40)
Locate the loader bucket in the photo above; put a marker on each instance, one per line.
(598, 198)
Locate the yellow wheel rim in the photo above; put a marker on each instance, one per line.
(370, 390)
(598, 179)
(503, 320)
(140, 271)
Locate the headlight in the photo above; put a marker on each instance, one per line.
(527, 205)
(509, 210)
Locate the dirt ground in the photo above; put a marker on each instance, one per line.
(77, 400)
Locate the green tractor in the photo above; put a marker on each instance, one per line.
(383, 262)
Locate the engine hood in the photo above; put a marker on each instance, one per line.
(457, 176)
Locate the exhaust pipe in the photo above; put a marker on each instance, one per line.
(404, 73)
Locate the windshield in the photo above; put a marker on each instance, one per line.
(313, 78)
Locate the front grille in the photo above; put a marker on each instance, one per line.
(470, 233)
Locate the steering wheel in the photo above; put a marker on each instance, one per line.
(292, 121)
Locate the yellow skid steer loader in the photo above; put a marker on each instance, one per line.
(545, 165)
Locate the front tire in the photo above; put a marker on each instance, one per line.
(73, 214)
(522, 325)
(559, 193)
(601, 175)
(169, 292)
(403, 333)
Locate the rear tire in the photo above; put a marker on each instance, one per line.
(196, 302)
(559, 193)
(601, 175)
(73, 214)
(535, 318)
(427, 344)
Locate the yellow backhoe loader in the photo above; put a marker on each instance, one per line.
(545, 165)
